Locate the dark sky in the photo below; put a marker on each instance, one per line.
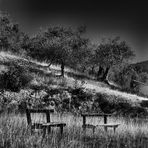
(103, 18)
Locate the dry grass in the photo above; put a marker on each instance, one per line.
(15, 133)
(106, 90)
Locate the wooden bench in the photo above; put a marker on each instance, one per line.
(105, 125)
(43, 125)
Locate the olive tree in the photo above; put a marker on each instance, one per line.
(61, 45)
(11, 37)
(112, 52)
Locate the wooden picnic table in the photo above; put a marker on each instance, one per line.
(105, 125)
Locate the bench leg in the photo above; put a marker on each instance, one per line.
(61, 130)
(84, 130)
(32, 130)
(105, 128)
(49, 129)
(114, 129)
(93, 130)
(44, 131)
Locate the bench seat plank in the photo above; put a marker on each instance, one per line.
(108, 125)
(54, 124)
(89, 126)
(94, 114)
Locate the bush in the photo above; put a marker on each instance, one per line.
(125, 76)
(15, 78)
(118, 106)
(144, 103)
(104, 104)
(79, 96)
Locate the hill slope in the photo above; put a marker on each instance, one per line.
(47, 86)
(89, 84)
(143, 65)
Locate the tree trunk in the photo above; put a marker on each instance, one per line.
(100, 71)
(51, 61)
(92, 70)
(105, 75)
(83, 69)
(49, 65)
(62, 68)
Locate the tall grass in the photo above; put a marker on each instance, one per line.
(14, 133)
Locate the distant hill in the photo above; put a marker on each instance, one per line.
(143, 65)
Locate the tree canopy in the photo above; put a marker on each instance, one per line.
(60, 45)
(11, 37)
(67, 46)
(113, 52)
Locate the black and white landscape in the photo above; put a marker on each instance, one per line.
(81, 63)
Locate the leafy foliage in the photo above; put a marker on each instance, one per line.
(112, 52)
(11, 38)
(129, 77)
(14, 79)
(59, 45)
(118, 106)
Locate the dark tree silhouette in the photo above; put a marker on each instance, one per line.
(60, 45)
(112, 52)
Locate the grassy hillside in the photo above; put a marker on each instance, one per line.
(144, 67)
(75, 91)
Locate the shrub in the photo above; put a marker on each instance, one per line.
(144, 103)
(104, 104)
(15, 78)
(79, 96)
(125, 76)
(118, 106)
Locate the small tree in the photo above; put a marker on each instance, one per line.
(129, 78)
(112, 52)
(60, 45)
(15, 78)
(11, 38)
(88, 63)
